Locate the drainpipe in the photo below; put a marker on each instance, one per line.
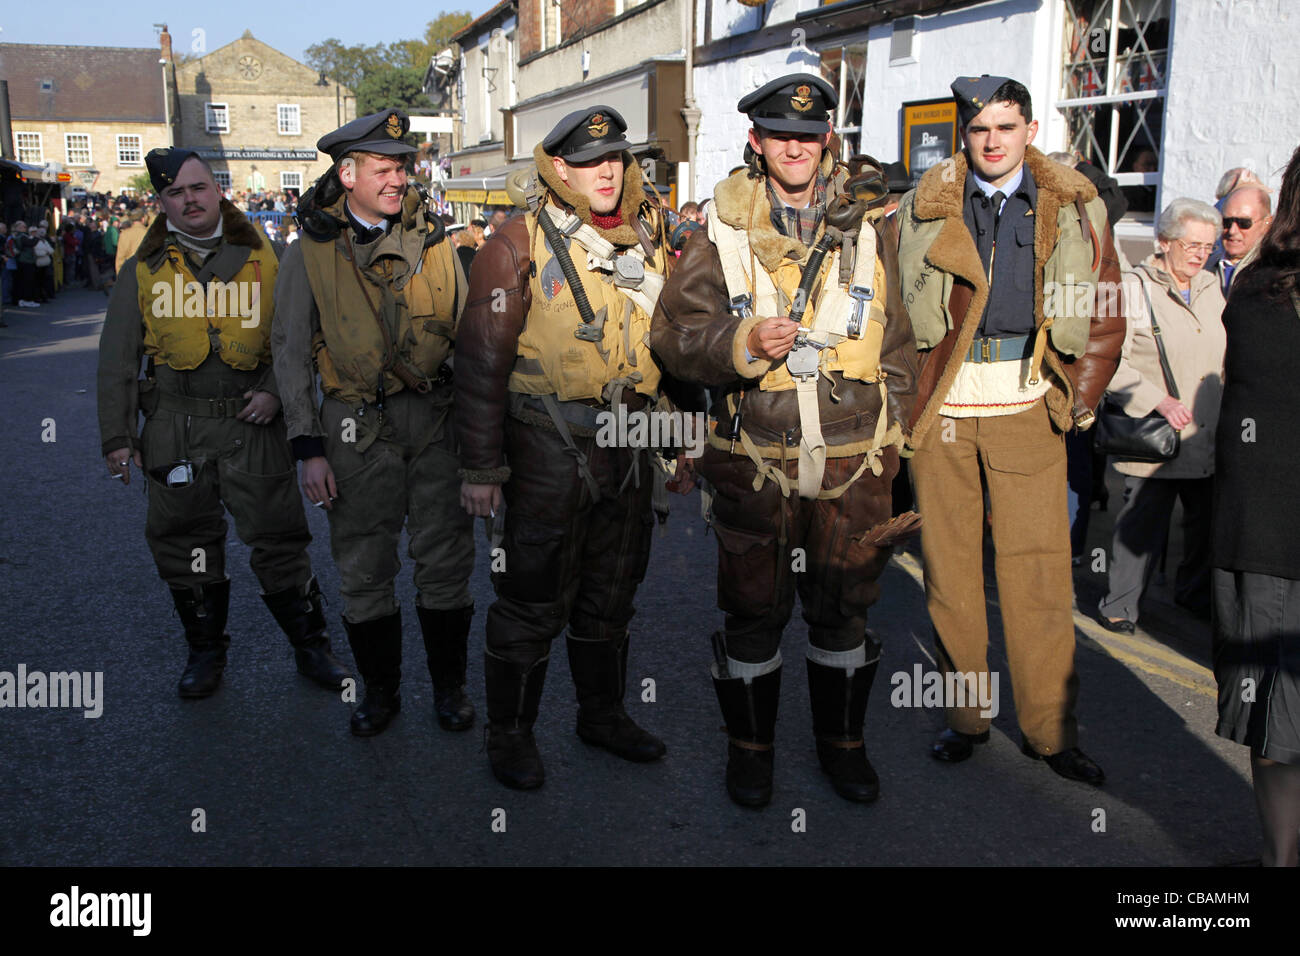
(690, 109)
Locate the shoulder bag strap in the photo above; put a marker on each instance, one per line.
(1170, 387)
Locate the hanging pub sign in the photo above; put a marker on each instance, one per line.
(929, 134)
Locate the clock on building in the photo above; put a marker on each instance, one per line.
(250, 67)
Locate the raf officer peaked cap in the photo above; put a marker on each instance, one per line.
(165, 164)
(377, 133)
(973, 93)
(587, 134)
(795, 103)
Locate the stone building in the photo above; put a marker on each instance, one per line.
(255, 114)
(92, 111)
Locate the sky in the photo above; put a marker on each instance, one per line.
(289, 26)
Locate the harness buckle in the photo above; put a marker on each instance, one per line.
(629, 272)
(740, 306)
(861, 295)
(803, 361)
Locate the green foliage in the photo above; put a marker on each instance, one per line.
(354, 65)
(402, 87)
(140, 182)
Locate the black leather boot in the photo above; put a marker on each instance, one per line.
(514, 692)
(446, 634)
(600, 677)
(203, 611)
(839, 707)
(377, 649)
(300, 615)
(750, 712)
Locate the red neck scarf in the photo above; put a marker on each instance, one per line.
(607, 222)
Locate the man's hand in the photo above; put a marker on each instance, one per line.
(683, 479)
(481, 501)
(261, 408)
(1175, 411)
(772, 338)
(318, 482)
(119, 463)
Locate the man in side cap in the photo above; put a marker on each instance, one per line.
(1007, 259)
(195, 299)
(555, 335)
(368, 300)
(788, 308)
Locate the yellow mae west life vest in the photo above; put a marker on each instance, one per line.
(350, 349)
(550, 358)
(846, 326)
(184, 321)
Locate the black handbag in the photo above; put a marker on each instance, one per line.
(1151, 438)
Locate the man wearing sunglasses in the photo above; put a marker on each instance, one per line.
(1246, 217)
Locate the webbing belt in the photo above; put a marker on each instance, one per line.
(203, 407)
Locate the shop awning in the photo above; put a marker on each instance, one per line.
(485, 187)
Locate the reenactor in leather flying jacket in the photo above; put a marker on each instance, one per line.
(555, 333)
(788, 307)
(368, 300)
(197, 299)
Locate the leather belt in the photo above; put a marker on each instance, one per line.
(1010, 349)
(203, 407)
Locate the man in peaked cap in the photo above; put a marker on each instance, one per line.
(540, 363)
(213, 432)
(369, 299)
(1009, 364)
(788, 307)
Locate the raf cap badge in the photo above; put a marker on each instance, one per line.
(599, 126)
(802, 99)
(394, 126)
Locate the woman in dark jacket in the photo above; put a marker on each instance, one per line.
(1256, 542)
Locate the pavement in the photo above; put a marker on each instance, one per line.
(266, 772)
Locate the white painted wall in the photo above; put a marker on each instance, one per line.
(1010, 38)
(1233, 78)
(718, 88)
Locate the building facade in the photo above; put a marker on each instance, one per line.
(255, 114)
(91, 111)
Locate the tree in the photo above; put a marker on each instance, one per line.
(437, 35)
(398, 87)
(350, 65)
(141, 183)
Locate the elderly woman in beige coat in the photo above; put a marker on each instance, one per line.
(1187, 307)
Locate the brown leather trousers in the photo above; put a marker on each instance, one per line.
(769, 547)
(568, 559)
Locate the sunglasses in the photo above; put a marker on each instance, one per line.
(1243, 223)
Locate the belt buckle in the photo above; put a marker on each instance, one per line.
(861, 295)
(986, 350)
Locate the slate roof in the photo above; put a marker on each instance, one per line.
(82, 83)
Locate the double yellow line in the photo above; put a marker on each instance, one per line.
(1137, 653)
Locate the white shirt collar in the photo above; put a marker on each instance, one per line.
(1007, 189)
(381, 224)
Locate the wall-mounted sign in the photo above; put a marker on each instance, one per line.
(240, 152)
(929, 135)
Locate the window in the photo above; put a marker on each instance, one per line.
(216, 118)
(77, 146)
(844, 68)
(290, 119)
(29, 148)
(902, 41)
(1113, 83)
(551, 32)
(129, 151)
(222, 179)
(290, 181)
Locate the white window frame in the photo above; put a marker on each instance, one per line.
(67, 149)
(139, 149)
(1117, 91)
(222, 178)
(210, 112)
(20, 149)
(285, 185)
(280, 117)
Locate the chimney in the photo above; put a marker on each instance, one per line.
(165, 43)
(6, 128)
